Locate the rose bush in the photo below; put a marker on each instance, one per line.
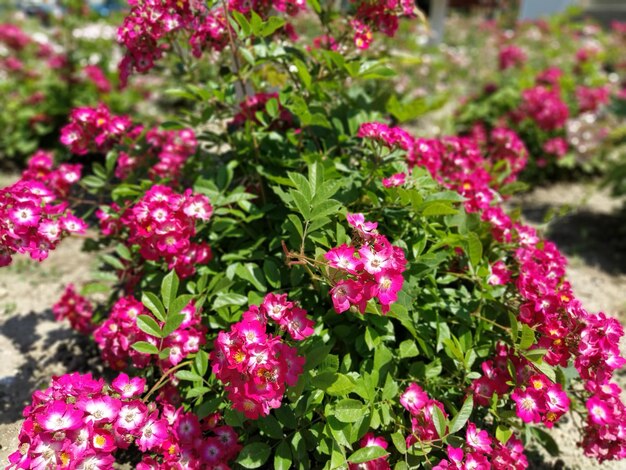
(294, 281)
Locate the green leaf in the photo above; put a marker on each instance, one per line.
(435, 208)
(399, 441)
(474, 249)
(282, 456)
(271, 272)
(503, 434)
(272, 107)
(462, 416)
(153, 303)
(439, 420)
(188, 375)
(169, 288)
(252, 273)
(242, 21)
(271, 427)
(202, 362)
(348, 410)
(179, 303)
(408, 349)
(528, 337)
(302, 185)
(295, 221)
(225, 299)
(272, 24)
(302, 204)
(145, 347)
(172, 323)
(303, 73)
(148, 325)
(254, 455)
(547, 441)
(366, 454)
(333, 383)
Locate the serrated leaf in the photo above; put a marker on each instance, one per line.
(271, 272)
(148, 325)
(152, 302)
(172, 323)
(367, 454)
(399, 441)
(408, 348)
(302, 204)
(252, 273)
(333, 383)
(503, 434)
(528, 337)
(145, 347)
(462, 416)
(282, 456)
(169, 288)
(474, 248)
(254, 455)
(225, 299)
(271, 427)
(202, 362)
(348, 410)
(302, 185)
(439, 420)
(188, 375)
(179, 303)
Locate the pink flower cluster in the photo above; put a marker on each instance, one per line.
(378, 15)
(603, 436)
(255, 365)
(549, 77)
(96, 75)
(33, 221)
(13, 36)
(417, 402)
(557, 146)
(562, 326)
(511, 56)
(545, 107)
(80, 422)
(94, 130)
(144, 29)
(171, 149)
(375, 272)
(540, 401)
(40, 167)
(150, 23)
(590, 98)
(380, 463)
(256, 103)
(482, 452)
(116, 335)
(163, 224)
(75, 308)
(458, 162)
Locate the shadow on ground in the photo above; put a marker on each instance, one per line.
(44, 355)
(595, 237)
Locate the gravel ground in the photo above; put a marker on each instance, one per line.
(589, 229)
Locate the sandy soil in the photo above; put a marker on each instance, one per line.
(586, 224)
(33, 345)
